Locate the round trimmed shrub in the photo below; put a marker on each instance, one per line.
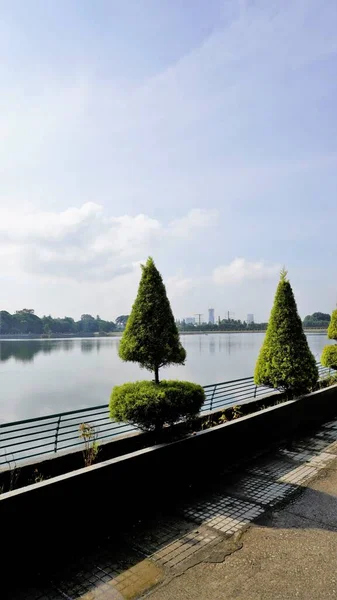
(329, 357)
(150, 406)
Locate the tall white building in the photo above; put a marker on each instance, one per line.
(211, 316)
(250, 319)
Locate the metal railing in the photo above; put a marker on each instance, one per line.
(32, 438)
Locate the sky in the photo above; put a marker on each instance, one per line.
(201, 133)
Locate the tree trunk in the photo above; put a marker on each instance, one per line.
(156, 374)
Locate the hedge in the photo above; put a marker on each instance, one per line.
(150, 406)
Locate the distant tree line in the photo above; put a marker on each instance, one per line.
(25, 321)
(224, 325)
(317, 320)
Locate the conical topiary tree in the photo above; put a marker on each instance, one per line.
(329, 354)
(285, 361)
(151, 337)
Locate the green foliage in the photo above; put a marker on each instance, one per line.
(317, 320)
(329, 354)
(327, 381)
(150, 406)
(91, 447)
(285, 361)
(332, 330)
(329, 357)
(151, 337)
(237, 412)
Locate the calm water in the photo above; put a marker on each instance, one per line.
(39, 377)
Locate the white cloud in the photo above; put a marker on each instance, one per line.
(241, 269)
(83, 243)
(196, 219)
(178, 285)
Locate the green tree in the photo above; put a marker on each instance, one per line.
(151, 337)
(122, 320)
(332, 329)
(27, 322)
(285, 361)
(318, 320)
(7, 322)
(329, 354)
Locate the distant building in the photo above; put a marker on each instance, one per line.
(250, 319)
(190, 321)
(211, 319)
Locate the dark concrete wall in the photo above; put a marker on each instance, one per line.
(47, 520)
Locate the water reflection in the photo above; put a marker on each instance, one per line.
(26, 350)
(216, 343)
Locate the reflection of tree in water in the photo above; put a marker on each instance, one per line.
(90, 345)
(87, 345)
(212, 346)
(24, 351)
(67, 345)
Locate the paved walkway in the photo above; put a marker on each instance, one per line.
(267, 530)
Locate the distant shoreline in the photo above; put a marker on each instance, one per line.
(306, 330)
(31, 336)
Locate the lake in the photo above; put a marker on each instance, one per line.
(40, 377)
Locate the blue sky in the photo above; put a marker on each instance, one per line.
(204, 134)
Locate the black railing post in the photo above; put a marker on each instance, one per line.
(57, 432)
(211, 403)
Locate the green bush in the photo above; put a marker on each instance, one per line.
(329, 357)
(150, 406)
(285, 361)
(332, 329)
(329, 354)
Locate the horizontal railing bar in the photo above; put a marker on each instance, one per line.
(222, 382)
(53, 423)
(25, 428)
(232, 387)
(270, 393)
(80, 418)
(96, 438)
(223, 389)
(32, 448)
(24, 435)
(76, 428)
(46, 437)
(6, 462)
(233, 393)
(55, 415)
(20, 437)
(230, 402)
(102, 438)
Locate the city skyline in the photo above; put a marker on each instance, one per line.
(202, 134)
